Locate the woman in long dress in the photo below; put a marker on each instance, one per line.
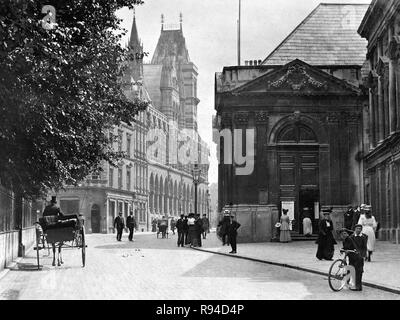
(369, 225)
(285, 227)
(307, 223)
(326, 242)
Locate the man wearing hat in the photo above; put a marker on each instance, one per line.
(223, 227)
(52, 209)
(232, 232)
(358, 242)
(360, 211)
(348, 218)
(120, 225)
(326, 241)
(180, 229)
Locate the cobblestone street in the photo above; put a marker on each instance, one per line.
(156, 269)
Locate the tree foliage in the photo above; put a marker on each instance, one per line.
(60, 90)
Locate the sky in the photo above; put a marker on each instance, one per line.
(210, 30)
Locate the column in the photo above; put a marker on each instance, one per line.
(381, 116)
(392, 89)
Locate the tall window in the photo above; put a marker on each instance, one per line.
(120, 178)
(111, 177)
(128, 179)
(128, 145)
(119, 140)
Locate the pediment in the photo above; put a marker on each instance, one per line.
(298, 78)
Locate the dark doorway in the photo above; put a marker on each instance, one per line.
(299, 181)
(95, 218)
(308, 199)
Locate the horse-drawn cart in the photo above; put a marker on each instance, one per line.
(61, 232)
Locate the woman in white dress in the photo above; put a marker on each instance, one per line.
(369, 227)
(307, 223)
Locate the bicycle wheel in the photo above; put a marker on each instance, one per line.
(337, 274)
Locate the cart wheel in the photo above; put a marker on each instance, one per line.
(83, 244)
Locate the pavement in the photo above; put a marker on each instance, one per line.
(156, 269)
(381, 273)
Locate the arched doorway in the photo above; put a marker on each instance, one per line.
(95, 218)
(298, 165)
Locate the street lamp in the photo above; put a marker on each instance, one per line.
(196, 179)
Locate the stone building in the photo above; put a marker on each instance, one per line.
(151, 180)
(303, 108)
(381, 27)
(171, 81)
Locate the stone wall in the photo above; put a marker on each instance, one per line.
(257, 222)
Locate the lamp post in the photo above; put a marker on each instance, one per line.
(196, 179)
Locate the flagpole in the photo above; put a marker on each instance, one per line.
(239, 21)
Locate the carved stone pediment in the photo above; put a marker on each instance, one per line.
(297, 78)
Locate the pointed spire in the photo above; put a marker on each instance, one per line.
(180, 19)
(162, 21)
(134, 42)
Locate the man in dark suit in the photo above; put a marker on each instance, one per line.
(348, 218)
(358, 242)
(199, 228)
(52, 209)
(357, 213)
(232, 232)
(186, 229)
(180, 227)
(119, 224)
(206, 226)
(131, 224)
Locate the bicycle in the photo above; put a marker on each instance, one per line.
(340, 272)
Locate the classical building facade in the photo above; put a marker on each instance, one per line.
(381, 27)
(299, 116)
(152, 180)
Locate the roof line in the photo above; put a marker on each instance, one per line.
(292, 33)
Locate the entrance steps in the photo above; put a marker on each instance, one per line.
(300, 237)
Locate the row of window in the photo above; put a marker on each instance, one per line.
(139, 180)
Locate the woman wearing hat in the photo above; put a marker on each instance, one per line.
(369, 225)
(285, 227)
(326, 242)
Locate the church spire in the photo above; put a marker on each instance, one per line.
(134, 42)
(180, 20)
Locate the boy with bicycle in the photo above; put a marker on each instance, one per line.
(358, 242)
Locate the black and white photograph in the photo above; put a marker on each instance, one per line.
(200, 155)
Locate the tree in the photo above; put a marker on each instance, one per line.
(60, 90)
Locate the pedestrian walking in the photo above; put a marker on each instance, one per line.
(154, 225)
(192, 232)
(173, 225)
(199, 229)
(206, 226)
(307, 223)
(348, 218)
(120, 225)
(326, 241)
(131, 224)
(357, 241)
(223, 228)
(186, 229)
(369, 226)
(232, 228)
(285, 227)
(181, 231)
